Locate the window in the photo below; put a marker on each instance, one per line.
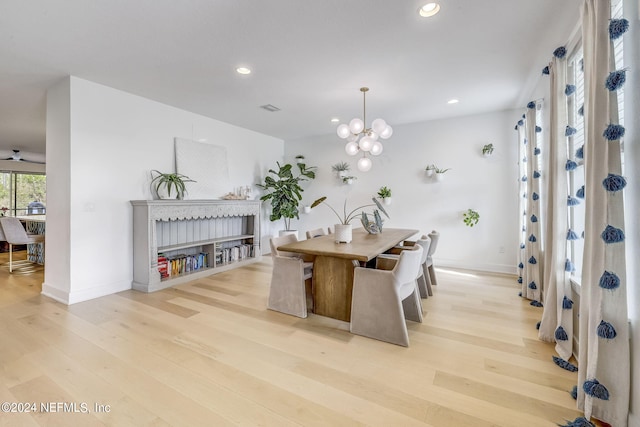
(22, 193)
(575, 76)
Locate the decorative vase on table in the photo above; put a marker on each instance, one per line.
(343, 233)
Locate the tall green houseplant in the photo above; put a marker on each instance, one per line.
(285, 192)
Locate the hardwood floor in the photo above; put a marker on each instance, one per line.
(209, 353)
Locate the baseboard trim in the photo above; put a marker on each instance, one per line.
(69, 298)
(486, 268)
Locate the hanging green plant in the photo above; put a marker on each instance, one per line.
(471, 217)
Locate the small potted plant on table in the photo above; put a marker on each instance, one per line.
(385, 194)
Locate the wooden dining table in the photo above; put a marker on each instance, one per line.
(334, 264)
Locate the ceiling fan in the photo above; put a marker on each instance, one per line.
(17, 157)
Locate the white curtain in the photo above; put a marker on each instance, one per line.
(604, 361)
(557, 318)
(531, 262)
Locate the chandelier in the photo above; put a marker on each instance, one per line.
(360, 138)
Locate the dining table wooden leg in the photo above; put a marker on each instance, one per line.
(332, 287)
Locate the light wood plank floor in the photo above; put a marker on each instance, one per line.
(208, 353)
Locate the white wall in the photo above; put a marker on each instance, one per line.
(114, 140)
(488, 185)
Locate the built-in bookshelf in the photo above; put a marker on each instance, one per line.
(175, 241)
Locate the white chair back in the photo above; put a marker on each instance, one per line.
(434, 236)
(276, 242)
(316, 233)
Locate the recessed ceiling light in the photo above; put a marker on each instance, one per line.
(429, 9)
(335, 120)
(452, 101)
(243, 70)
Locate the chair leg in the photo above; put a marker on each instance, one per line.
(422, 286)
(432, 276)
(427, 278)
(412, 307)
(10, 258)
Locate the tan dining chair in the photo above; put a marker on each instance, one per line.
(15, 234)
(290, 278)
(316, 233)
(424, 284)
(383, 299)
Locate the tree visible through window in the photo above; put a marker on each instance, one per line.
(20, 190)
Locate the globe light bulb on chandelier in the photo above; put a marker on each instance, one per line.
(360, 138)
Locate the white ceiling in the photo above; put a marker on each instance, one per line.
(309, 58)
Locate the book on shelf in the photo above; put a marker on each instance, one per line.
(181, 263)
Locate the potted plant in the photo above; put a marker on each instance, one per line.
(348, 179)
(440, 173)
(164, 184)
(487, 149)
(341, 169)
(343, 232)
(430, 169)
(299, 158)
(385, 194)
(285, 191)
(471, 217)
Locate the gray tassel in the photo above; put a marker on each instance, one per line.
(580, 153)
(580, 421)
(581, 110)
(569, 267)
(609, 281)
(534, 218)
(567, 304)
(536, 303)
(614, 183)
(545, 70)
(560, 334)
(572, 201)
(569, 90)
(538, 325)
(535, 196)
(564, 364)
(617, 27)
(612, 234)
(532, 239)
(606, 330)
(571, 235)
(532, 260)
(570, 165)
(531, 105)
(538, 129)
(560, 52)
(533, 286)
(536, 174)
(536, 151)
(580, 193)
(613, 132)
(616, 79)
(594, 389)
(574, 392)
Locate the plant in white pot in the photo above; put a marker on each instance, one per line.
(342, 169)
(343, 230)
(169, 185)
(440, 173)
(348, 179)
(487, 149)
(430, 169)
(285, 191)
(385, 194)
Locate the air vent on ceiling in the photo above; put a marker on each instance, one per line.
(270, 107)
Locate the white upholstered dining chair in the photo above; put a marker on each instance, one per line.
(289, 279)
(383, 299)
(316, 233)
(15, 234)
(424, 284)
